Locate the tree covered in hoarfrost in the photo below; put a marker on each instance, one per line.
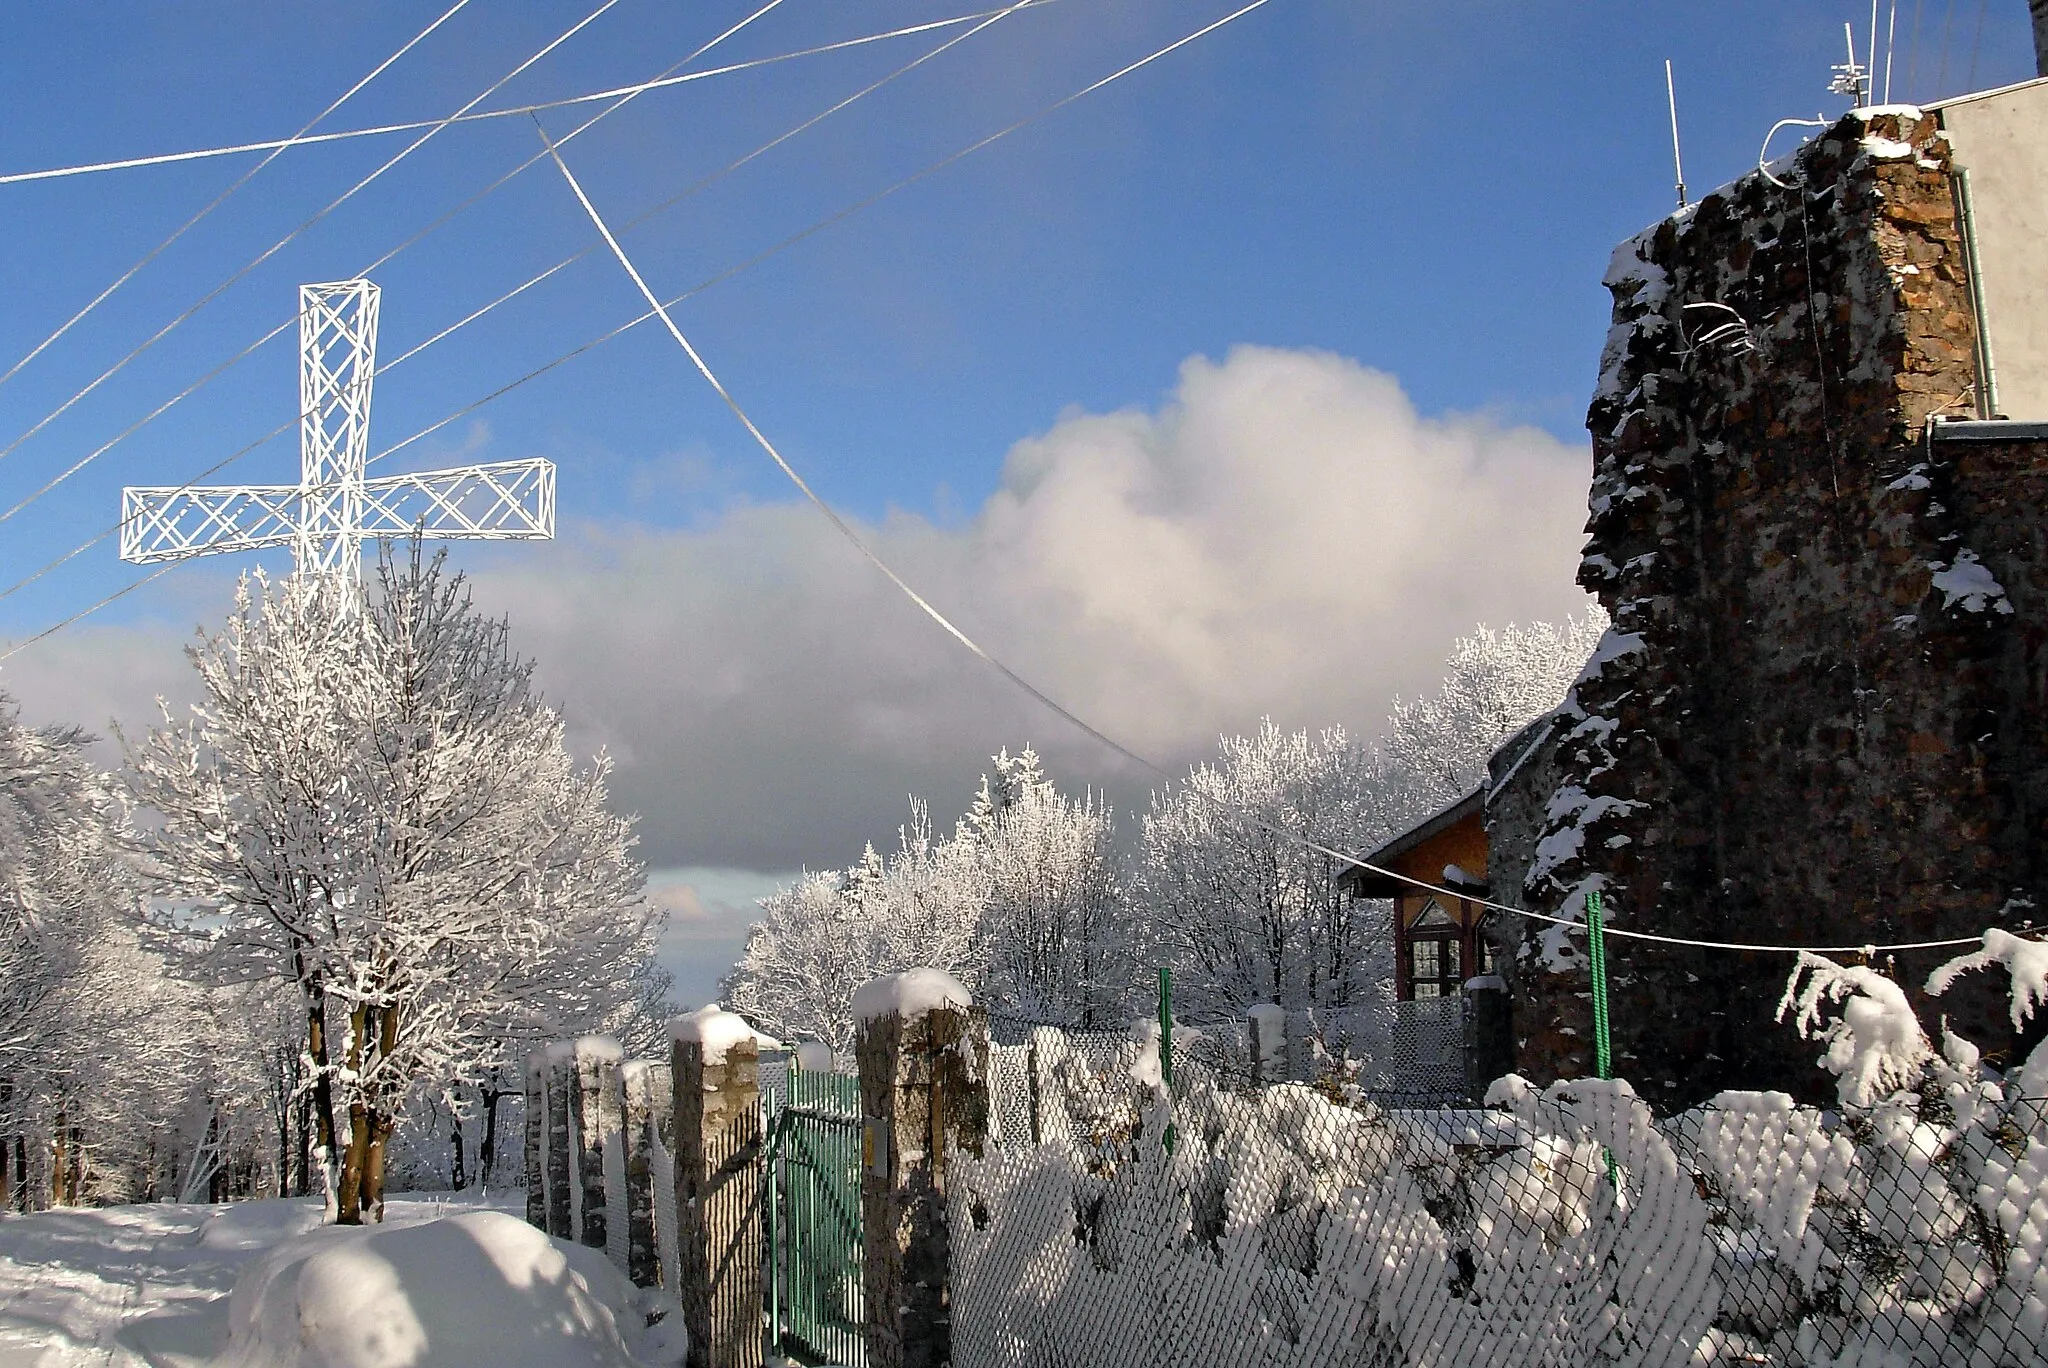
(823, 936)
(373, 806)
(1244, 911)
(1495, 683)
(1019, 903)
(89, 1038)
(1050, 945)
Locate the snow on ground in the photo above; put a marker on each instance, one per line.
(147, 1287)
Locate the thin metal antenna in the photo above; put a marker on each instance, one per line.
(1677, 162)
(1849, 77)
(1870, 78)
(1891, 36)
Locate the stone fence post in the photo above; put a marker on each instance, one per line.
(644, 1098)
(1489, 1033)
(557, 1069)
(593, 1124)
(535, 1112)
(923, 1055)
(1266, 1025)
(715, 1064)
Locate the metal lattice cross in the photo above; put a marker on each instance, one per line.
(325, 517)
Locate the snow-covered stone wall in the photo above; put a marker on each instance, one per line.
(1820, 715)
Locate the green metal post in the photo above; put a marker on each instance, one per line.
(1596, 946)
(774, 1251)
(1166, 1043)
(1596, 952)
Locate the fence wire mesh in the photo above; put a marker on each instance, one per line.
(1227, 1222)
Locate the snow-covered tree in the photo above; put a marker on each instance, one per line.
(1050, 945)
(1020, 902)
(1243, 910)
(1494, 684)
(374, 806)
(93, 1051)
(822, 937)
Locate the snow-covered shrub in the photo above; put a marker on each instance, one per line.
(1560, 1226)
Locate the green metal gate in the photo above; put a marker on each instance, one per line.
(813, 1220)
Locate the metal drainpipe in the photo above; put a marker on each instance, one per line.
(1987, 375)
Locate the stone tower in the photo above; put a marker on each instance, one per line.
(1820, 716)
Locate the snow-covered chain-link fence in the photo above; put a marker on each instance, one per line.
(1288, 1224)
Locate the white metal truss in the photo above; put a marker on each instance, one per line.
(325, 517)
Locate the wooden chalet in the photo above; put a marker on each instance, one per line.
(1437, 940)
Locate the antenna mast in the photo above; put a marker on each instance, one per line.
(1677, 162)
(1851, 78)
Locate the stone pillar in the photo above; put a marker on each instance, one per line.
(923, 1055)
(644, 1097)
(558, 1148)
(716, 1073)
(1266, 1024)
(594, 1122)
(1489, 1033)
(535, 1112)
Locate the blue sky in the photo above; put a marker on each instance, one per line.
(1427, 192)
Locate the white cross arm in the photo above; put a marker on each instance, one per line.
(499, 501)
(175, 522)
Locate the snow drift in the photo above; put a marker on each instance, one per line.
(477, 1290)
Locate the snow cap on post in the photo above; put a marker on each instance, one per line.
(911, 993)
(599, 1047)
(814, 1056)
(716, 1031)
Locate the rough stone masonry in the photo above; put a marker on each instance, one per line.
(1819, 714)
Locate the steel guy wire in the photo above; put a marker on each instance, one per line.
(281, 243)
(222, 197)
(659, 310)
(874, 558)
(727, 274)
(520, 289)
(122, 592)
(661, 82)
(801, 235)
(987, 17)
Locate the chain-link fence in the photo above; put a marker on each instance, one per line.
(1116, 1220)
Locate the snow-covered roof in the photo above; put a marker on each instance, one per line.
(1363, 883)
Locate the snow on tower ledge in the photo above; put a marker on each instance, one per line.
(716, 1031)
(911, 993)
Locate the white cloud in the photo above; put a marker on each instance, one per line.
(1284, 536)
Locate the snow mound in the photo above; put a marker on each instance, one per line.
(479, 1290)
(259, 1225)
(910, 993)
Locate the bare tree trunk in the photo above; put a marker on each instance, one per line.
(323, 1085)
(381, 1127)
(59, 1167)
(304, 1106)
(382, 1123)
(487, 1157)
(20, 1171)
(7, 1118)
(349, 1201)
